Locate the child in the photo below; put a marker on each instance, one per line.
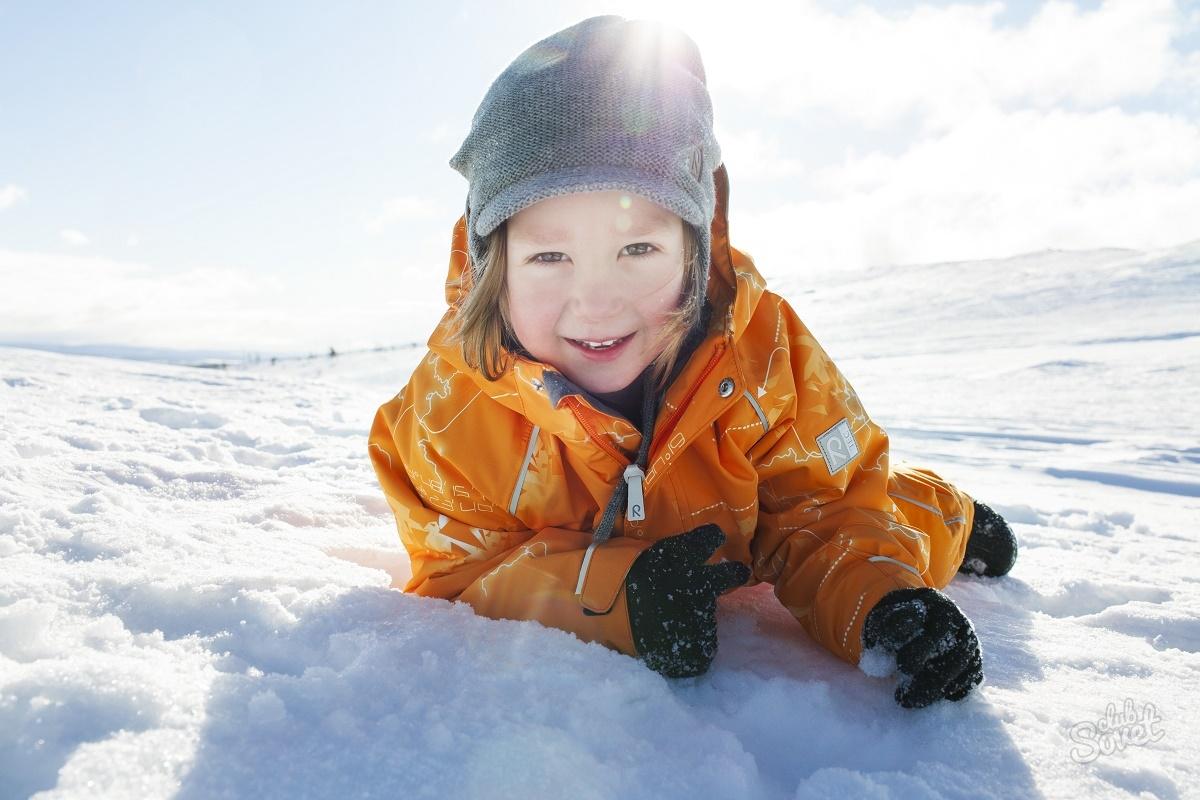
(617, 422)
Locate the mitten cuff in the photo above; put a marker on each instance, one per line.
(881, 577)
(602, 572)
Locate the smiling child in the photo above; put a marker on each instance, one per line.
(617, 422)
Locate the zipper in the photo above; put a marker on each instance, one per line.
(635, 500)
(601, 441)
(635, 504)
(666, 429)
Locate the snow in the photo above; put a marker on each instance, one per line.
(198, 576)
(878, 662)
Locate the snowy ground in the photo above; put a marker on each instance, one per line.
(195, 569)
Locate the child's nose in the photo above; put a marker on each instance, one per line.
(598, 294)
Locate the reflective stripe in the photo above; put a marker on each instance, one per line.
(955, 520)
(758, 410)
(516, 495)
(916, 503)
(587, 559)
(908, 567)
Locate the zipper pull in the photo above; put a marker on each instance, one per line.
(635, 507)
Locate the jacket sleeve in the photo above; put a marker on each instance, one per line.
(827, 535)
(466, 546)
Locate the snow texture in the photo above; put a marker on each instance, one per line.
(878, 661)
(198, 577)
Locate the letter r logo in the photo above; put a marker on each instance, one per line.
(838, 446)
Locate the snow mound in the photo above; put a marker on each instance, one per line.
(198, 578)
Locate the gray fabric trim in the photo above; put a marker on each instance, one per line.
(917, 503)
(908, 567)
(559, 386)
(758, 410)
(516, 495)
(583, 569)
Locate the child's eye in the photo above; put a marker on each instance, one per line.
(555, 258)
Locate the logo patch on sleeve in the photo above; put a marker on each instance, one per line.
(838, 446)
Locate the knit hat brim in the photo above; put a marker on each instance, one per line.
(591, 178)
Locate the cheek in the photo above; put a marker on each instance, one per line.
(533, 312)
(657, 306)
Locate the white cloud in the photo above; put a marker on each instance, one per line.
(403, 209)
(133, 240)
(119, 294)
(67, 298)
(1039, 149)
(756, 154)
(73, 237)
(1184, 88)
(945, 132)
(445, 132)
(10, 195)
(939, 62)
(997, 184)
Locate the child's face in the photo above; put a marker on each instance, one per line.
(586, 269)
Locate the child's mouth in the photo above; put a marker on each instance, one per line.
(601, 349)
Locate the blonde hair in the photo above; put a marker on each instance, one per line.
(484, 328)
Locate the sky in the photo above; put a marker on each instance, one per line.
(273, 177)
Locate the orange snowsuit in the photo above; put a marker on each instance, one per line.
(496, 488)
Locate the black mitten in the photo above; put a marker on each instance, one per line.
(672, 598)
(937, 652)
(991, 545)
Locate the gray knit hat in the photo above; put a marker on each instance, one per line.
(607, 103)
